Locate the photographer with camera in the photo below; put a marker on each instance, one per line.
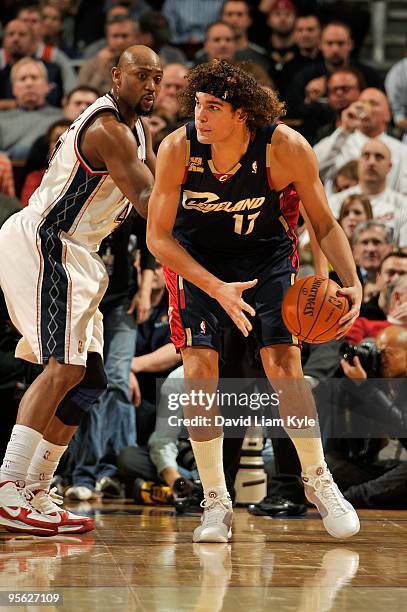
(387, 405)
(394, 304)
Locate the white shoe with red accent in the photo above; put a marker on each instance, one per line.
(17, 514)
(338, 515)
(48, 503)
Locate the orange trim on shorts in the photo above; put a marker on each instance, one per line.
(69, 304)
(38, 300)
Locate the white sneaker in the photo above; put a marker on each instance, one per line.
(17, 514)
(216, 520)
(338, 515)
(49, 502)
(80, 493)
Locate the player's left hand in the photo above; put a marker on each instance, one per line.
(354, 295)
(355, 371)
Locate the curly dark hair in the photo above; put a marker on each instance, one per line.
(234, 85)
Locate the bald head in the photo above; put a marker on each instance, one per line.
(137, 80)
(394, 336)
(139, 55)
(377, 114)
(18, 39)
(392, 343)
(374, 165)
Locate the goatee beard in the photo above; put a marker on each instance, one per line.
(142, 112)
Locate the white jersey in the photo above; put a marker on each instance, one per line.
(51, 276)
(76, 199)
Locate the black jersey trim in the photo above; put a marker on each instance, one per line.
(82, 159)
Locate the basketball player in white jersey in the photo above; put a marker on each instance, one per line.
(53, 282)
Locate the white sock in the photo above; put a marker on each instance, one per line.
(20, 450)
(209, 461)
(44, 463)
(308, 445)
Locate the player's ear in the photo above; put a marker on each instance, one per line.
(241, 115)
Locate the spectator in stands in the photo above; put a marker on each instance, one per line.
(6, 177)
(34, 178)
(109, 424)
(344, 87)
(346, 177)
(18, 42)
(78, 100)
(92, 49)
(367, 118)
(172, 83)
(281, 49)
(396, 89)
(371, 242)
(30, 14)
(385, 403)
(336, 46)
(52, 19)
(373, 169)
(307, 36)
(74, 104)
(154, 32)
(96, 71)
(219, 43)
(21, 126)
(393, 266)
(189, 19)
(354, 209)
(236, 13)
(135, 8)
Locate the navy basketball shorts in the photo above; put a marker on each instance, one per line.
(196, 319)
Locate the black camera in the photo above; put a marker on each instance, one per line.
(368, 354)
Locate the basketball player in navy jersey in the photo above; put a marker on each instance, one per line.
(222, 219)
(53, 282)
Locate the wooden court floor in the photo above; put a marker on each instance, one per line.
(142, 558)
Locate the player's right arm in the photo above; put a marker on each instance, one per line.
(111, 143)
(162, 211)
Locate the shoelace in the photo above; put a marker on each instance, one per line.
(24, 501)
(210, 504)
(46, 502)
(325, 487)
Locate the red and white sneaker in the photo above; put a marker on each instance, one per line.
(48, 503)
(17, 514)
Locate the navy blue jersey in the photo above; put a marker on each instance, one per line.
(239, 213)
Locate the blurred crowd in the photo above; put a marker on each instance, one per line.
(56, 59)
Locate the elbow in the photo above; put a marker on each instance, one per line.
(153, 243)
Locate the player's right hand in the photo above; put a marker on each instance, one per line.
(229, 296)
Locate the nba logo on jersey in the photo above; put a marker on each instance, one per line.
(80, 346)
(195, 164)
(254, 167)
(203, 327)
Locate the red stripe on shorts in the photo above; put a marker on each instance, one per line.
(178, 337)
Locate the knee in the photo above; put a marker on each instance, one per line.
(203, 365)
(286, 366)
(89, 389)
(65, 376)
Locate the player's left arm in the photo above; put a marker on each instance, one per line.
(329, 234)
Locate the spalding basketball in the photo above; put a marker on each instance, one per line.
(311, 309)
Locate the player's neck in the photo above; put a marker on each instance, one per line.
(226, 153)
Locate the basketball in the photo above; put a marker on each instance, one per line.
(311, 309)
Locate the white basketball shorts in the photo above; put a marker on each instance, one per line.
(53, 287)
